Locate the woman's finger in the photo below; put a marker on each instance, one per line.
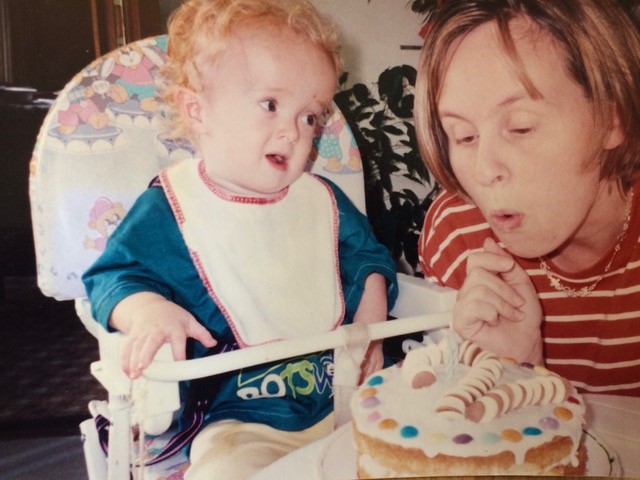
(484, 282)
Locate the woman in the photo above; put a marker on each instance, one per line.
(527, 114)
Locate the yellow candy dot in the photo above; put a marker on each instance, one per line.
(511, 435)
(563, 413)
(388, 424)
(539, 369)
(436, 437)
(509, 360)
(368, 392)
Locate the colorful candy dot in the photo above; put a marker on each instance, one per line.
(368, 392)
(511, 435)
(532, 431)
(527, 365)
(409, 432)
(549, 423)
(374, 417)
(490, 438)
(370, 402)
(541, 370)
(436, 437)
(509, 360)
(563, 413)
(377, 380)
(573, 400)
(462, 439)
(388, 424)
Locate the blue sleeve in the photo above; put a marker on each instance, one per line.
(144, 251)
(360, 254)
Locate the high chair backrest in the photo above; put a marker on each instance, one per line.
(100, 146)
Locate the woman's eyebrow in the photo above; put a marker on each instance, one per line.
(510, 100)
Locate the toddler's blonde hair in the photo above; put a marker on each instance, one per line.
(200, 29)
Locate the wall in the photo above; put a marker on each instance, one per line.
(372, 33)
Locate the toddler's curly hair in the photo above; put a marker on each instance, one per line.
(199, 31)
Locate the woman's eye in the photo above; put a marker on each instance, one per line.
(467, 140)
(521, 131)
(268, 105)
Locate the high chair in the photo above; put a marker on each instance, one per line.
(97, 150)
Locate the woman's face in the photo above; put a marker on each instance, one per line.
(530, 164)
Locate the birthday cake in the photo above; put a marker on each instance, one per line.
(464, 411)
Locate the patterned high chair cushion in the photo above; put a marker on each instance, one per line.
(100, 146)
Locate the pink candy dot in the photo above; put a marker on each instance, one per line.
(370, 402)
(373, 417)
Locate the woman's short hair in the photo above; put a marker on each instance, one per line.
(600, 42)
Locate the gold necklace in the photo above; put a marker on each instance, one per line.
(584, 291)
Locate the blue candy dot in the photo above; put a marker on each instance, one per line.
(490, 438)
(409, 432)
(531, 431)
(373, 381)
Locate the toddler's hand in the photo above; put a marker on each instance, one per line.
(498, 307)
(372, 309)
(149, 321)
(373, 360)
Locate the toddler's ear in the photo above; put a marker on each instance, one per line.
(190, 109)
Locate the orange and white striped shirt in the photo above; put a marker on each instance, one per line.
(594, 340)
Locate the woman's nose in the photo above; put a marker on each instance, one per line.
(490, 167)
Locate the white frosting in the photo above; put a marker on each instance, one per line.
(387, 408)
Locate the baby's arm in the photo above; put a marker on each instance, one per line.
(372, 309)
(498, 307)
(149, 320)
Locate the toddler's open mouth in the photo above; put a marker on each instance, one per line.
(278, 161)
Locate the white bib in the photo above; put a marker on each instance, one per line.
(271, 265)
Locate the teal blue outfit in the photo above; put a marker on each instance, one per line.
(147, 253)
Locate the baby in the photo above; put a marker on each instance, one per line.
(241, 247)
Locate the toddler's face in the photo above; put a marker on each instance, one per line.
(260, 107)
(522, 160)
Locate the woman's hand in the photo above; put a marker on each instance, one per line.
(149, 321)
(498, 307)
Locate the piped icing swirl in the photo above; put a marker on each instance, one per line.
(510, 396)
(400, 405)
(485, 370)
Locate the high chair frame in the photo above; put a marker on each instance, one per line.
(150, 402)
(97, 150)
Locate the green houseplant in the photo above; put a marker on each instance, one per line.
(382, 123)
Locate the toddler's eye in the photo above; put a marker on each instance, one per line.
(268, 105)
(310, 120)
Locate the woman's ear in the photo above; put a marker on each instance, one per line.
(190, 109)
(614, 136)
